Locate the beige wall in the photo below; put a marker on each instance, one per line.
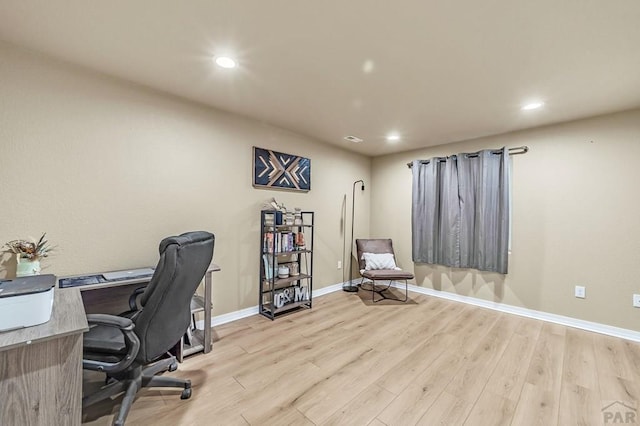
(576, 220)
(108, 169)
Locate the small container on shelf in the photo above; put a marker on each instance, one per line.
(283, 271)
(294, 270)
(288, 218)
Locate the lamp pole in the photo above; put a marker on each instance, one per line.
(350, 287)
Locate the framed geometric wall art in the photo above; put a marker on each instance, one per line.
(277, 170)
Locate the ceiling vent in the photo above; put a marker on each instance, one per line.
(353, 139)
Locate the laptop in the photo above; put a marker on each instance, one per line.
(128, 274)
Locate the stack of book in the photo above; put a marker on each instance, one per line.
(270, 265)
(282, 242)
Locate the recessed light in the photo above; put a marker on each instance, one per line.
(532, 105)
(225, 62)
(393, 137)
(368, 66)
(353, 139)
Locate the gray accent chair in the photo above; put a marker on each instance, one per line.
(379, 246)
(129, 347)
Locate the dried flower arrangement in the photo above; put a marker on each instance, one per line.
(30, 249)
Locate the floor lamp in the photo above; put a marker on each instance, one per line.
(350, 287)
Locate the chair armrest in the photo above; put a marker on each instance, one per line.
(126, 326)
(134, 297)
(110, 321)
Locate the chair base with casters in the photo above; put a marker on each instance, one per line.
(385, 275)
(134, 380)
(110, 345)
(371, 248)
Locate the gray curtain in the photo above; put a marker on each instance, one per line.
(460, 212)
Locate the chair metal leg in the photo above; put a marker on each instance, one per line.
(373, 289)
(169, 382)
(165, 382)
(159, 366)
(105, 392)
(383, 297)
(127, 401)
(381, 292)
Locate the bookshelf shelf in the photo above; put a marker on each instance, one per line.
(289, 245)
(285, 308)
(280, 283)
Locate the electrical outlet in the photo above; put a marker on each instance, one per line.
(581, 292)
(339, 264)
(636, 300)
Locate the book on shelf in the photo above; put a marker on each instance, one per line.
(282, 242)
(286, 241)
(269, 261)
(267, 243)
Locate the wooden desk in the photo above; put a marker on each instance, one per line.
(112, 298)
(41, 367)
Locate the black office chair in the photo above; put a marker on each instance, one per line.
(127, 348)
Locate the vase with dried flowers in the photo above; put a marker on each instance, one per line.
(28, 254)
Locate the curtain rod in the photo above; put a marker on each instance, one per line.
(513, 151)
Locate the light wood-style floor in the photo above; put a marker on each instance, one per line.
(428, 362)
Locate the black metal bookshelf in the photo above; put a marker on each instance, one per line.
(285, 240)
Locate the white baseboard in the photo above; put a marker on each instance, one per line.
(253, 310)
(529, 313)
(595, 327)
(326, 290)
(233, 316)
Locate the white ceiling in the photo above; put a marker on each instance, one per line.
(438, 70)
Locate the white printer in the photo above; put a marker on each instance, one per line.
(26, 301)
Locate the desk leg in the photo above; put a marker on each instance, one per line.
(207, 312)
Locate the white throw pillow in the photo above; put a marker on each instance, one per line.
(379, 261)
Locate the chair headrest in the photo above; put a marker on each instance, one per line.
(377, 245)
(184, 239)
